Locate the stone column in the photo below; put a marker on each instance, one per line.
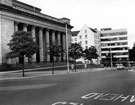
(59, 43)
(47, 45)
(15, 26)
(64, 44)
(54, 41)
(34, 36)
(41, 44)
(53, 38)
(25, 27)
(15, 60)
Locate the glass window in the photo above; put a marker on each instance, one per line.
(80, 42)
(80, 37)
(123, 38)
(85, 31)
(86, 36)
(86, 42)
(124, 43)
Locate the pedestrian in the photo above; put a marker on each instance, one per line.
(72, 66)
(85, 65)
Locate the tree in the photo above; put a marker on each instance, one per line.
(90, 53)
(22, 44)
(54, 51)
(132, 53)
(75, 52)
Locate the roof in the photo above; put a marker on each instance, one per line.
(74, 33)
(94, 30)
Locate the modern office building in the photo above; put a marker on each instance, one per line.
(87, 37)
(115, 44)
(18, 16)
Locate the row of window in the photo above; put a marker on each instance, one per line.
(86, 42)
(115, 54)
(114, 44)
(81, 36)
(114, 39)
(114, 49)
(123, 59)
(113, 34)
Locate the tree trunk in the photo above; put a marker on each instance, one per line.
(75, 64)
(23, 70)
(22, 61)
(90, 64)
(53, 66)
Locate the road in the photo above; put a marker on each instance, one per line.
(86, 88)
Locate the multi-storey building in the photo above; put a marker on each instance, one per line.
(87, 37)
(18, 16)
(114, 43)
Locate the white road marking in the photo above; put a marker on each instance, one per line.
(109, 97)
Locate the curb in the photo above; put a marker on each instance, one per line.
(42, 75)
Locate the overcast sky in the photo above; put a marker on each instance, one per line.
(115, 14)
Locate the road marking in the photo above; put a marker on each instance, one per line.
(37, 86)
(109, 97)
(67, 103)
(100, 96)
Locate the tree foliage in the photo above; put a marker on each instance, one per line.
(90, 53)
(132, 53)
(22, 44)
(54, 51)
(75, 52)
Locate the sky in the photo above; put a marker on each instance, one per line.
(115, 14)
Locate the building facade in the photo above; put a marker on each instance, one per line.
(87, 37)
(114, 43)
(18, 16)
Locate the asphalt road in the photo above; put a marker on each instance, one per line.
(87, 88)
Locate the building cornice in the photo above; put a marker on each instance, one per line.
(39, 16)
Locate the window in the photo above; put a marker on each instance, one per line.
(85, 36)
(75, 39)
(123, 38)
(80, 37)
(86, 47)
(118, 43)
(86, 42)
(85, 31)
(124, 43)
(80, 42)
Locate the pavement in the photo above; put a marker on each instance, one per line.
(33, 74)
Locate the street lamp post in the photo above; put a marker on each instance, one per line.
(110, 55)
(67, 49)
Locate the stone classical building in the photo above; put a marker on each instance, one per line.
(18, 16)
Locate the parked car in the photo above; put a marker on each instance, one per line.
(82, 60)
(120, 67)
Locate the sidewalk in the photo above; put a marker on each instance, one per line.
(34, 74)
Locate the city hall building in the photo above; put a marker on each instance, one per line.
(18, 16)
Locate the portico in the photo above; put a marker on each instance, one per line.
(44, 29)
